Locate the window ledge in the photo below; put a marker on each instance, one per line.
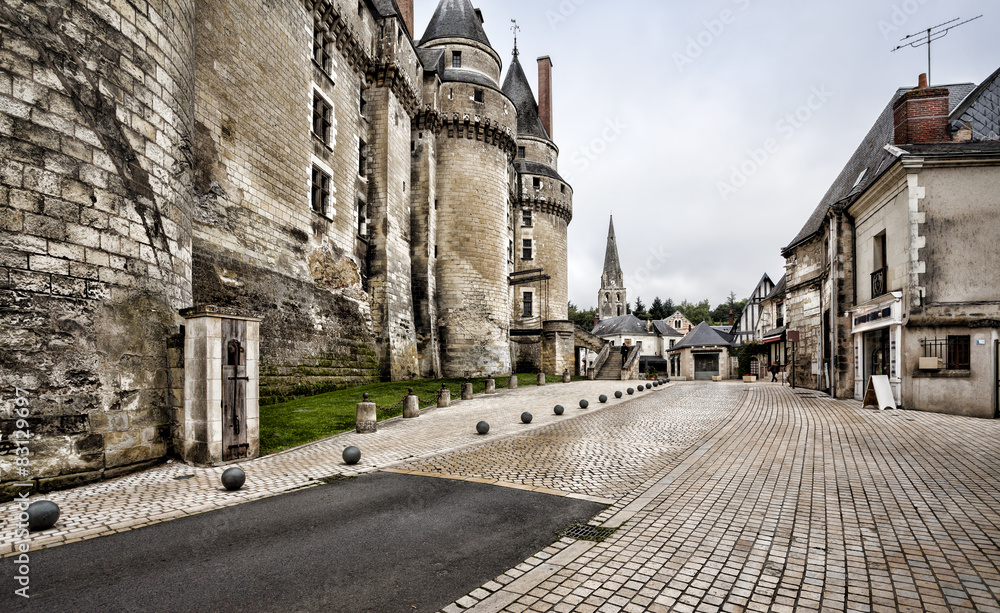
(942, 374)
(323, 215)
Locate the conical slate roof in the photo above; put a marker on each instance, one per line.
(518, 89)
(612, 276)
(455, 19)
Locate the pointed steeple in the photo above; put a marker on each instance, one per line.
(456, 19)
(517, 88)
(612, 277)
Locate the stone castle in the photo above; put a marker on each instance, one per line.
(382, 205)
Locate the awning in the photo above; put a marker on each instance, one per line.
(775, 336)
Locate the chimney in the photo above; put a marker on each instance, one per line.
(545, 93)
(921, 115)
(406, 11)
(922, 81)
(732, 318)
(597, 320)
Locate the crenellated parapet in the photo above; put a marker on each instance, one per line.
(558, 207)
(483, 129)
(334, 21)
(396, 65)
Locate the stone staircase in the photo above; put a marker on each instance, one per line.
(612, 368)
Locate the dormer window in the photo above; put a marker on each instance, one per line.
(456, 59)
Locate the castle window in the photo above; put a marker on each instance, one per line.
(526, 218)
(435, 251)
(361, 9)
(478, 96)
(527, 309)
(456, 59)
(322, 50)
(320, 191)
(322, 118)
(362, 159)
(526, 249)
(362, 103)
(362, 219)
(537, 183)
(562, 188)
(520, 152)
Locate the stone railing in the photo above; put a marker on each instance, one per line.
(599, 362)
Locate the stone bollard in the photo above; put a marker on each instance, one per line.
(411, 406)
(491, 386)
(541, 378)
(512, 382)
(444, 397)
(467, 391)
(566, 376)
(367, 420)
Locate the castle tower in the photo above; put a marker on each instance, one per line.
(475, 150)
(543, 209)
(612, 300)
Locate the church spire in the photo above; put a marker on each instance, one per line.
(612, 276)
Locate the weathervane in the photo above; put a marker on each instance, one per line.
(515, 29)
(932, 34)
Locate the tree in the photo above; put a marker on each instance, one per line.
(656, 309)
(731, 306)
(696, 313)
(640, 309)
(669, 308)
(583, 318)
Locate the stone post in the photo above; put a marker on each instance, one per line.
(491, 386)
(411, 406)
(512, 382)
(467, 391)
(566, 376)
(541, 378)
(367, 419)
(444, 397)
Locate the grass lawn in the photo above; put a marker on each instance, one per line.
(301, 421)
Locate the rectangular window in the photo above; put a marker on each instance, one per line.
(321, 50)
(322, 118)
(526, 218)
(362, 219)
(456, 59)
(520, 152)
(362, 159)
(527, 309)
(958, 353)
(537, 183)
(478, 96)
(526, 249)
(320, 191)
(879, 268)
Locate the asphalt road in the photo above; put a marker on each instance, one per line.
(379, 543)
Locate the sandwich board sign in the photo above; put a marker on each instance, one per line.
(879, 393)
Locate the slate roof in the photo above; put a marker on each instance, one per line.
(612, 276)
(981, 110)
(461, 75)
(626, 324)
(455, 19)
(950, 149)
(663, 329)
(432, 60)
(518, 89)
(779, 289)
(703, 335)
(871, 158)
(537, 168)
(725, 332)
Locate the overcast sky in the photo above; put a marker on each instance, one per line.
(657, 102)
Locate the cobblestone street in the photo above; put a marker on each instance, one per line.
(797, 503)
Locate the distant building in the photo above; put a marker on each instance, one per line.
(704, 353)
(612, 301)
(747, 324)
(656, 337)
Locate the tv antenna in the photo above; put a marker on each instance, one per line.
(932, 34)
(515, 29)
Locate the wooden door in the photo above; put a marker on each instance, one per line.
(234, 389)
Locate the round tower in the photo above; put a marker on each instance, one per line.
(475, 149)
(97, 234)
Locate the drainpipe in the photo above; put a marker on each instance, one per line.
(834, 253)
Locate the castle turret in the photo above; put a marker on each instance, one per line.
(475, 149)
(612, 300)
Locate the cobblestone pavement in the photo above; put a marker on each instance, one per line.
(797, 503)
(176, 490)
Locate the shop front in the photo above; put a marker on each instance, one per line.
(706, 365)
(877, 330)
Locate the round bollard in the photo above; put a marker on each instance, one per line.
(630, 391)
(618, 394)
(42, 515)
(603, 398)
(559, 409)
(352, 455)
(526, 417)
(639, 388)
(234, 478)
(584, 404)
(482, 427)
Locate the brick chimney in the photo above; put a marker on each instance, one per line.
(545, 93)
(406, 10)
(597, 320)
(921, 115)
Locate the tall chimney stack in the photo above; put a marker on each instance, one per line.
(406, 10)
(921, 115)
(545, 93)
